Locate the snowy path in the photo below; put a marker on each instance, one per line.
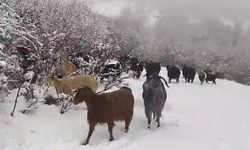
(195, 117)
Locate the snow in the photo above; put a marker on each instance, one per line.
(1, 46)
(3, 77)
(108, 8)
(195, 117)
(29, 75)
(111, 62)
(3, 63)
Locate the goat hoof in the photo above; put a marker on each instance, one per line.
(111, 139)
(85, 143)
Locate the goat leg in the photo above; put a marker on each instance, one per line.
(110, 129)
(91, 129)
(149, 116)
(127, 123)
(158, 122)
(154, 115)
(57, 93)
(158, 115)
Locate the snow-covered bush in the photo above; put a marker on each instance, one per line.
(3, 86)
(50, 100)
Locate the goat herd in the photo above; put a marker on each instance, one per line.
(118, 105)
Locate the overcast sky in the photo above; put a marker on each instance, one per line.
(237, 10)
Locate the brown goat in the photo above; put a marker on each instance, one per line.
(68, 84)
(106, 108)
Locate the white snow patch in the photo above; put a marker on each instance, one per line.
(29, 75)
(110, 62)
(3, 63)
(1, 46)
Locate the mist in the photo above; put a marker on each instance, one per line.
(234, 10)
(179, 19)
(207, 33)
(204, 34)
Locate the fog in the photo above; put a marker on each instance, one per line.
(203, 33)
(214, 33)
(177, 20)
(234, 10)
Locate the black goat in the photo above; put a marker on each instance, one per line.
(154, 96)
(173, 73)
(211, 76)
(152, 68)
(188, 73)
(136, 66)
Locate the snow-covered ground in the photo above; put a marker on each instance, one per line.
(195, 117)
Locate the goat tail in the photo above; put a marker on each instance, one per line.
(164, 81)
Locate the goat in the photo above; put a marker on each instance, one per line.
(152, 68)
(202, 76)
(154, 96)
(136, 66)
(106, 108)
(211, 77)
(68, 84)
(173, 72)
(188, 73)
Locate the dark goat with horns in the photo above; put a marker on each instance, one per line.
(154, 96)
